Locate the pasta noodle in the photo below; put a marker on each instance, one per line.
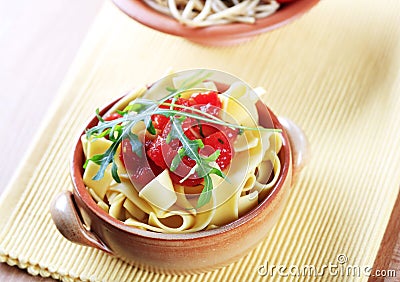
(201, 13)
(167, 206)
(99, 186)
(160, 192)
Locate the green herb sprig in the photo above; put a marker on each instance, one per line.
(141, 110)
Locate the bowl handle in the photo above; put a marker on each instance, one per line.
(298, 143)
(68, 221)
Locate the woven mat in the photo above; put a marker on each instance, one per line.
(335, 72)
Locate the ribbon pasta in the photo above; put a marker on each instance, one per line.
(162, 206)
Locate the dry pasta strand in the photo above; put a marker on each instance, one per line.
(202, 13)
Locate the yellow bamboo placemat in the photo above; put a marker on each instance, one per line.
(335, 72)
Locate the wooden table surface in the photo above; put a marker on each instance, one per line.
(38, 41)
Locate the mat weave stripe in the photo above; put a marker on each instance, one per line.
(335, 72)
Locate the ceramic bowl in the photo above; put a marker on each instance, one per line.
(81, 220)
(219, 35)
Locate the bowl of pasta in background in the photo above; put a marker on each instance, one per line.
(80, 218)
(210, 33)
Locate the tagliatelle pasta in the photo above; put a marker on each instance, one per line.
(201, 13)
(179, 193)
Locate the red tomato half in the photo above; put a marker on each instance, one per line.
(219, 141)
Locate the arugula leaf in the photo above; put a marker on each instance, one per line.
(213, 157)
(206, 193)
(99, 117)
(171, 89)
(102, 126)
(104, 133)
(115, 132)
(114, 172)
(104, 160)
(206, 169)
(122, 113)
(135, 143)
(139, 105)
(218, 172)
(177, 159)
(97, 159)
(150, 127)
(191, 147)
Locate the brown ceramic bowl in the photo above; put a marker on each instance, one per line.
(219, 35)
(80, 220)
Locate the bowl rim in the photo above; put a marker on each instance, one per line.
(76, 173)
(144, 14)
